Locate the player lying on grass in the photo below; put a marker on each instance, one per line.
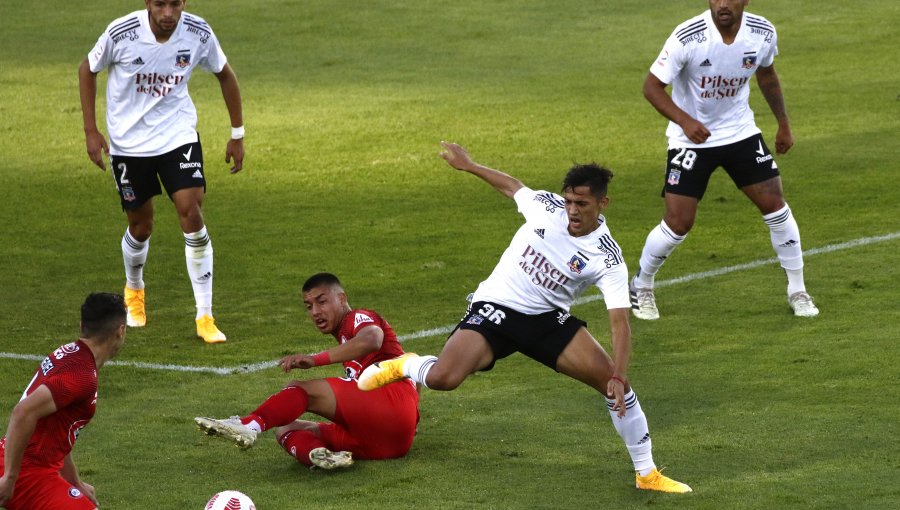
(378, 425)
(563, 247)
(35, 456)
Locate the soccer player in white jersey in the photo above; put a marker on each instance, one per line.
(563, 248)
(709, 60)
(151, 121)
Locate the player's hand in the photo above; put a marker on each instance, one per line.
(784, 140)
(301, 361)
(235, 149)
(6, 490)
(694, 130)
(88, 490)
(615, 389)
(456, 156)
(96, 147)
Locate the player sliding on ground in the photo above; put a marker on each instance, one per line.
(563, 247)
(378, 425)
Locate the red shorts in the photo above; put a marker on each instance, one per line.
(379, 424)
(44, 489)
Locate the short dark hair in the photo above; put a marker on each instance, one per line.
(102, 313)
(592, 175)
(319, 279)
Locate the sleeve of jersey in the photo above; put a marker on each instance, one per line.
(100, 56)
(769, 59)
(67, 387)
(536, 204)
(215, 58)
(670, 60)
(361, 319)
(614, 286)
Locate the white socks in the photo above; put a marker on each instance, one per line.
(134, 254)
(198, 253)
(785, 235)
(417, 367)
(632, 428)
(661, 242)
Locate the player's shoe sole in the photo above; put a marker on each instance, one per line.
(134, 302)
(207, 330)
(323, 458)
(382, 373)
(230, 428)
(643, 302)
(802, 304)
(656, 481)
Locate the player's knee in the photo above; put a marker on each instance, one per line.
(140, 230)
(679, 223)
(443, 380)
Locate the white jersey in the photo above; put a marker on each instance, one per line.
(711, 80)
(545, 268)
(148, 109)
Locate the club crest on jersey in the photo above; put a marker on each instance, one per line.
(674, 177)
(74, 493)
(128, 194)
(577, 263)
(475, 320)
(748, 62)
(361, 318)
(183, 59)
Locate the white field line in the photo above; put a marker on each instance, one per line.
(427, 333)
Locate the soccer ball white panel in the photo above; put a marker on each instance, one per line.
(230, 500)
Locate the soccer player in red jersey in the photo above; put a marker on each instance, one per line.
(368, 425)
(35, 455)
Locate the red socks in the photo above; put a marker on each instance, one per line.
(280, 409)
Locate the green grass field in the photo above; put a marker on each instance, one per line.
(344, 104)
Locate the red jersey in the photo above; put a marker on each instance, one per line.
(70, 374)
(354, 321)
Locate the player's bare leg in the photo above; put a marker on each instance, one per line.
(135, 246)
(586, 361)
(785, 236)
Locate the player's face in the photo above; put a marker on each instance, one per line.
(726, 13)
(164, 15)
(583, 210)
(326, 306)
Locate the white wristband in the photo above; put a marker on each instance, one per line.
(237, 133)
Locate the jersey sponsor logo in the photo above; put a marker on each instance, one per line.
(155, 84)
(70, 348)
(187, 155)
(674, 177)
(542, 272)
(720, 87)
(197, 27)
(197, 174)
(550, 202)
(46, 366)
(562, 317)
(539, 232)
(361, 318)
(191, 164)
(131, 35)
(705, 63)
(576, 263)
(699, 36)
(763, 157)
(138, 61)
(183, 59)
(611, 249)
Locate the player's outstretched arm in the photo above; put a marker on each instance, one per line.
(655, 92)
(459, 158)
(770, 86)
(231, 92)
(87, 87)
(366, 341)
(22, 423)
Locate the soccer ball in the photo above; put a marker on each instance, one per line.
(230, 500)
